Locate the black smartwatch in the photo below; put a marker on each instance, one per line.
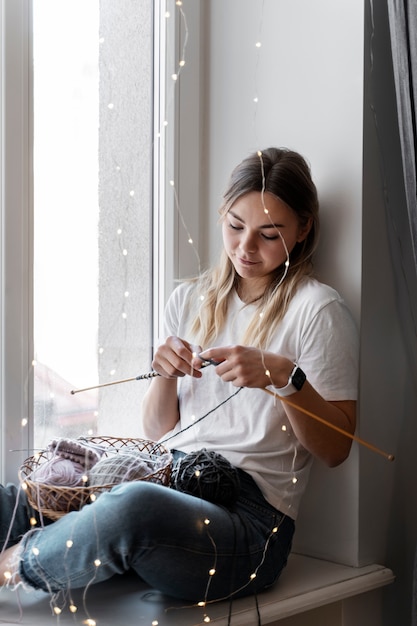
(295, 382)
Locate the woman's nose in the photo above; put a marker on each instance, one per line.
(248, 242)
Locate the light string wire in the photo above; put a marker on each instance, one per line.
(275, 395)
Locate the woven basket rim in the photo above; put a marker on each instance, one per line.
(85, 492)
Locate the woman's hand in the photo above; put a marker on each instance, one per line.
(176, 357)
(249, 367)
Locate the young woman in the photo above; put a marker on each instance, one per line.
(265, 324)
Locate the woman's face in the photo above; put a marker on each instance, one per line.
(252, 236)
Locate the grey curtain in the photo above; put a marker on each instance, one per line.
(403, 30)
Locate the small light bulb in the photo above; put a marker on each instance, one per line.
(174, 76)
(69, 543)
(97, 562)
(73, 608)
(258, 44)
(212, 572)
(57, 610)
(24, 422)
(110, 105)
(35, 551)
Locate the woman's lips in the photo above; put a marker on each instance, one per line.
(246, 262)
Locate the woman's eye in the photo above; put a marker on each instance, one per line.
(234, 226)
(270, 238)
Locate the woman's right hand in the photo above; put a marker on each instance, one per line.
(177, 357)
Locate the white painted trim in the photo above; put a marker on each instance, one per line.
(16, 235)
(176, 151)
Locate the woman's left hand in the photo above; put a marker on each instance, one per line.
(249, 367)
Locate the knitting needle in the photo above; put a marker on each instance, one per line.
(116, 382)
(128, 380)
(389, 457)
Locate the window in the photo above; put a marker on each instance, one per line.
(92, 138)
(92, 214)
(114, 209)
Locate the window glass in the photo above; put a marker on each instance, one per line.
(92, 214)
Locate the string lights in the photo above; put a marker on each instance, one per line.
(124, 253)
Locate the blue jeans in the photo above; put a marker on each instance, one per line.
(162, 535)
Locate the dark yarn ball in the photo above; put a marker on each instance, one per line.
(208, 475)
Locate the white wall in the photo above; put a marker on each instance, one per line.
(325, 88)
(308, 77)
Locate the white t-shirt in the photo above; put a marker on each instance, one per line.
(251, 429)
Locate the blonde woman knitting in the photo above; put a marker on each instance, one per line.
(265, 322)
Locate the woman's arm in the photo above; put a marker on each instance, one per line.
(251, 367)
(175, 358)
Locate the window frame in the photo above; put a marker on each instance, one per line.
(178, 157)
(16, 288)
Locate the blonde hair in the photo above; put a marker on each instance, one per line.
(285, 174)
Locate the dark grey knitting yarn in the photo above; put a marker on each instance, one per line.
(208, 475)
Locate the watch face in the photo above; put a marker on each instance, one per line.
(298, 378)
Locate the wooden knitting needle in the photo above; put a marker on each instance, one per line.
(389, 457)
(128, 380)
(117, 382)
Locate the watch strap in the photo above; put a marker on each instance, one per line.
(296, 380)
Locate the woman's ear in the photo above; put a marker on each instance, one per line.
(304, 229)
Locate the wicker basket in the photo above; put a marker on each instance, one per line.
(55, 501)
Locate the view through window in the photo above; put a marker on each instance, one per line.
(92, 214)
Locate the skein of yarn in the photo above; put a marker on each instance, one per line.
(60, 472)
(208, 475)
(121, 467)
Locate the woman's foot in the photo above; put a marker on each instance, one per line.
(9, 560)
